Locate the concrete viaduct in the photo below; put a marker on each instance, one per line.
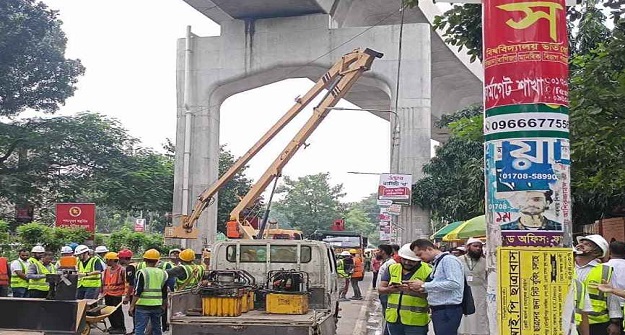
(266, 41)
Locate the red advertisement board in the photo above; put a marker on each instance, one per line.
(525, 53)
(76, 215)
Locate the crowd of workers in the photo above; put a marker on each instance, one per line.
(419, 285)
(113, 276)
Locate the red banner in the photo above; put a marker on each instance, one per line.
(76, 215)
(525, 53)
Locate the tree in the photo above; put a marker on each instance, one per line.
(310, 202)
(453, 183)
(34, 72)
(55, 157)
(598, 130)
(229, 195)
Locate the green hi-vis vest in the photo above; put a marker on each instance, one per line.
(40, 284)
(92, 281)
(194, 275)
(598, 300)
(407, 309)
(16, 281)
(340, 269)
(153, 281)
(166, 265)
(141, 265)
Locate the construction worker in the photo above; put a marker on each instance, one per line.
(38, 268)
(606, 316)
(344, 270)
(89, 274)
(206, 259)
(358, 274)
(19, 282)
(166, 265)
(407, 310)
(100, 252)
(4, 277)
(125, 259)
(173, 260)
(187, 274)
(150, 296)
(66, 251)
(113, 291)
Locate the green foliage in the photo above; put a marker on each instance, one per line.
(310, 202)
(229, 195)
(598, 130)
(356, 219)
(462, 27)
(453, 185)
(143, 180)
(52, 238)
(44, 157)
(136, 241)
(34, 72)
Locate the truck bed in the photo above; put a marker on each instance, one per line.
(257, 317)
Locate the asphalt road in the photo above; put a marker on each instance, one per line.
(358, 317)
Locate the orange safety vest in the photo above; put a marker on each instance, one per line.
(114, 282)
(359, 269)
(4, 274)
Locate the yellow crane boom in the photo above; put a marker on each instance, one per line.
(337, 81)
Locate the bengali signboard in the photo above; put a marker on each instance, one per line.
(533, 285)
(395, 187)
(76, 215)
(139, 225)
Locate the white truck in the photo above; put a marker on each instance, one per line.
(260, 258)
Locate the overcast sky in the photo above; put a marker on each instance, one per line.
(129, 50)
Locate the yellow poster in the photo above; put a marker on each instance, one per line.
(533, 283)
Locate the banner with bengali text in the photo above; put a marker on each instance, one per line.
(533, 285)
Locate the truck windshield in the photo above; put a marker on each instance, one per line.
(278, 254)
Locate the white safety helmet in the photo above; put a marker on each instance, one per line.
(38, 249)
(345, 253)
(598, 240)
(407, 253)
(66, 250)
(81, 249)
(101, 249)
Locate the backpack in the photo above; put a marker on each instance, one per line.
(468, 304)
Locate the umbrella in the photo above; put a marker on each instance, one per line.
(470, 228)
(446, 230)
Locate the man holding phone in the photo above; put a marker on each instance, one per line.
(407, 309)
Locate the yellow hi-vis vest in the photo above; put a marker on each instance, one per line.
(153, 282)
(194, 275)
(93, 281)
(404, 308)
(598, 299)
(40, 284)
(16, 281)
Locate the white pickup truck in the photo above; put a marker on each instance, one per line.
(259, 258)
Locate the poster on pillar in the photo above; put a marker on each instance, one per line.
(533, 289)
(528, 191)
(525, 53)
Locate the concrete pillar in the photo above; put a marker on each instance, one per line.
(251, 54)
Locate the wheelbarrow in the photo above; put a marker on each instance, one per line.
(96, 318)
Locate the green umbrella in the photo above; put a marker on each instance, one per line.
(471, 228)
(445, 230)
